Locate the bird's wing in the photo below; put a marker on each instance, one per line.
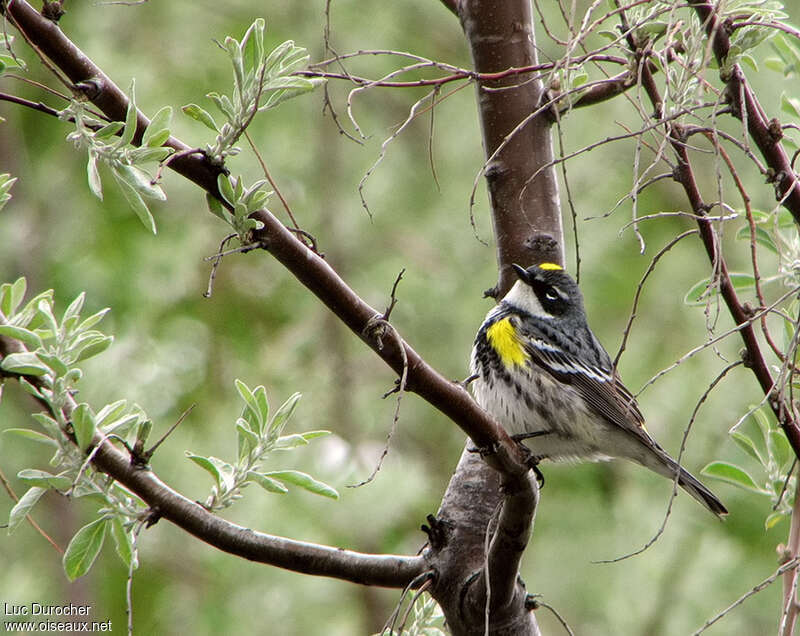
(595, 382)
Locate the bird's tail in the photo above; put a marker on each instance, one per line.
(690, 484)
(697, 490)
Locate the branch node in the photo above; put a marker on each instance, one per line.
(152, 516)
(775, 129)
(531, 602)
(376, 329)
(438, 531)
(53, 10)
(543, 246)
(90, 88)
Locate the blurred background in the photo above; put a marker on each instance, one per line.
(175, 348)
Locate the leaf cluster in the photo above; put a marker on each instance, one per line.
(259, 435)
(260, 82)
(112, 144)
(51, 349)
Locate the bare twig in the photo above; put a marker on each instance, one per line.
(28, 518)
(786, 567)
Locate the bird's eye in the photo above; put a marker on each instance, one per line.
(551, 295)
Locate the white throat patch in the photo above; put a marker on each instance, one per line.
(522, 296)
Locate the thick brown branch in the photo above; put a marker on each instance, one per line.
(527, 228)
(299, 556)
(459, 538)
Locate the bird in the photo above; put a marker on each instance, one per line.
(538, 369)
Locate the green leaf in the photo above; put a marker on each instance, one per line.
(283, 414)
(225, 188)
(698, 293)
(216, 208)
(144, 154)
(206, 465)
(92, 320)
(140, 181)
(200, 114)
(305, 481)
(43, 479)
(110, 412)
(267, 483)
(29, 388)
(247, 439)
(47, 423)
(790, 105)
(579, 79)
(253, 404)
(93, 176)
(23, 507)
(25, 336)
(84, 548)
(24, 364)
(120, 426)
(136, 202)
(774, 64)
(733, 475)
(11, 295)
(155, 135)
(262, 405)
(27, 314)
(762, 237)
(84, 425)
(130, 120)
(75, 307)
(782, 450)
(122, 542)
(750, 61)
(309, 435)
(44, 313)
(220, 470)
(34, 436)
(94, 346)
(224, 104)
(54, 363)
(773, 519)
(287, 442)
(256, 200)
(109, 130)
(748, 445)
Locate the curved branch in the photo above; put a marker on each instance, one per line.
(684, 175)
(388, 570)
(745, 106)
(299, 556)
(528, 225)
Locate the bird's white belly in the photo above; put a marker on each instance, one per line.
(570, 431)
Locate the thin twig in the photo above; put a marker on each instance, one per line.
(30, 520)
(786, 567)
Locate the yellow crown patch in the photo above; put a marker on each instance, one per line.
(551, 266)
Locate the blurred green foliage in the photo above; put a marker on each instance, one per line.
(174, 348)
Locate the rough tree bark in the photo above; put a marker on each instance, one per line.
(527, 226)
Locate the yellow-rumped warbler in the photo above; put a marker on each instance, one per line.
(543, 375)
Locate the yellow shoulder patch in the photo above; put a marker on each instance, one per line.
(549, 266)
(502, 336)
